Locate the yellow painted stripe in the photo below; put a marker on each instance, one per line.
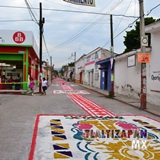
(60, 156)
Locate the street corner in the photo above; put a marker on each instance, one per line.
(89, 137)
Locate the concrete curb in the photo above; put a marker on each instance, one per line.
(138, 107)
(156, 114)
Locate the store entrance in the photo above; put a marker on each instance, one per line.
(11, 74)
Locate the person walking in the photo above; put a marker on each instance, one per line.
(44, 85)
(31, 86)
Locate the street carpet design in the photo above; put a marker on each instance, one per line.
(70, 92)
(87, 105)
(73, 137)
(90, 107)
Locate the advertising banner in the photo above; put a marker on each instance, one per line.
(82, 2)
(143, 57)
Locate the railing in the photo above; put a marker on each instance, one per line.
(11, 85)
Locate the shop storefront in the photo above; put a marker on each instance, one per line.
(18, 59)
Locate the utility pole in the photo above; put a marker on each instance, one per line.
(74, 74)
(51, 68)
(51, 60)
(143, 65)
(41, 22)
(112, 57)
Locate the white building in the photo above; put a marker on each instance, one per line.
(128, 70)
(153, 68)
(127, 74)
(80, 70)
(92, 72)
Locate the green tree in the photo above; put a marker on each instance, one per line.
(63, 69)
(132, 38)
(71, 64)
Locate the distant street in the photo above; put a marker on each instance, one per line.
(70, 122)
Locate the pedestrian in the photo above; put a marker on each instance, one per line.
(44, 85)
(31, 85)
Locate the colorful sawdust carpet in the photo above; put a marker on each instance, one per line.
(95, 138)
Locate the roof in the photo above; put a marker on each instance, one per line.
(153, 27)
(80, 57)
(96, 50)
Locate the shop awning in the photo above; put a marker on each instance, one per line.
(103, 61)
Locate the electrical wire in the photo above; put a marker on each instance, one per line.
(75, 22)
(130, 25)
(61, 10)
(25, 20)
(122, 17)
(85, 29)
(148, 13)
(118, 25)
(44, 41)
(30, 12)
(35, 20)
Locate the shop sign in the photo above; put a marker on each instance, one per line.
(143, 57)
(12, 37)
(82, 2)
(131, 61)
(156, 76)
(19, 37)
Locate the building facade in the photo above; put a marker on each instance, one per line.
(92, 72)
(128, 70)
(18, 59)
(127, 74)
(153, 68)
(80, 70)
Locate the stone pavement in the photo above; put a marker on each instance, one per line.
(153, 109)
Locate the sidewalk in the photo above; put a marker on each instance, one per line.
(153, 109)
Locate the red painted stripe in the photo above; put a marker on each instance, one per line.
(98, 106)
(88, 63)
(33, 145)
(81, 105)
(91, 107)
(86, 106)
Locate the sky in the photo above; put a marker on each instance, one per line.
(70, 28)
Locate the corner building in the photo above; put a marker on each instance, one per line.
(18, 59)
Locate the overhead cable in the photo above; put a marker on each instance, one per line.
(131, 24)
(85, 29)
(61, 10)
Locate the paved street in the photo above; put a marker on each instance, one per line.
(39, 127)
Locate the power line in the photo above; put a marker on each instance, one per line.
(153, 9)
(30, 12)
(85, 29)
(60, 10)
(75, 22)
(122, 17)
(118, 26)
(46, 45)
(29, 20)
(131, 24)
